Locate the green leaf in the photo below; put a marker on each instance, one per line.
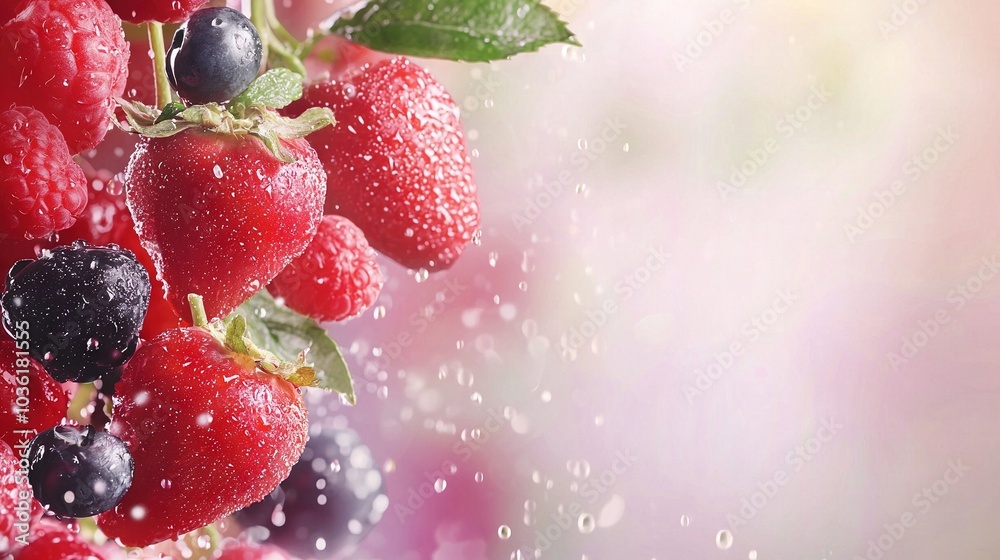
(287, 334)
(469, 30)
(170, 111)
(275, 88)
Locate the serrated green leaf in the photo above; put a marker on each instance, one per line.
(285, 333)
(469, 30)
(275, 88)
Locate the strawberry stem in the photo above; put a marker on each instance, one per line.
(198, 310)
(163, 95)
(258, 17)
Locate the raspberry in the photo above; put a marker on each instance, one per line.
(69, 60)
(336, 278)
(47, 402)
(42, 190)
(10, 8)
(141, 11)
(82, 307)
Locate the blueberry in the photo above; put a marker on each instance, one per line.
(334, 495)
(76, 471)
(213, 56)
(81, 307)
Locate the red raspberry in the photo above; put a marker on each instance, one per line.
(47, 402)
(50, 540)
(10, 8)
(396, 162)
(141, 11)
(42, 190)
(336, 278)
(69, 60)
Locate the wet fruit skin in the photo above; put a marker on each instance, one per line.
(51, 540)
(76, 471)
(21, 376)
(82, 307)
(213, 56)
(220, 215)
(335, 492)
(209, 435)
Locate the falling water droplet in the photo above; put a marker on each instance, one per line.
(724, 540)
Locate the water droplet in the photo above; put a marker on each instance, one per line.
(421, 275)
(503, 532)
(440, 484)
(478, 477)
(586, 523)
(752, 555)
(217, 171)
(93, 344)
(166, 484)
(494, 257)
(724, 540)
(685, 521)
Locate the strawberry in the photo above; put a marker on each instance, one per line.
(220, 214)
(141, 11)
(336, 278)
(209, 429)
(69, 60)
(396, 162)
(42, 190)
(27, 393)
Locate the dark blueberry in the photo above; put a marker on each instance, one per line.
(82, 307)
(76, 471)
(334, 495)
(214, 56)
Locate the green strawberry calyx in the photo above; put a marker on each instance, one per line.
(232, 333)
(251, 112)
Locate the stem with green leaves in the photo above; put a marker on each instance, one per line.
(163, 94)
(279, 45)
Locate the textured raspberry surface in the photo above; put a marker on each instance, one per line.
(42, 190)
(336, 278)
(396, 162)
(141, 11)
(69, 60)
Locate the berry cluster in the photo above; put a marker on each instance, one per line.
(260, 166)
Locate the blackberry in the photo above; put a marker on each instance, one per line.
(334, 495)
(76, 471)
(214, 56)
(82, 307)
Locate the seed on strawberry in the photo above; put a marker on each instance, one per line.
(42, 190)
(76, 471)
(81, 306)
(396, 162)
(32, 400)
(210, 433)
(334, 495)
(336, 278)
(220, 215)
(214, 56)
(69, 60)
(166, 11)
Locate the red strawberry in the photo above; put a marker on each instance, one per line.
(251, 552)
(42, 190)
(15, 501)
(221, 215)
(336, 278)
(396, 162)
(50, 540)
(27, 393)
(141, 11)
(209, 432)
(333, 57)
(69, 60)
